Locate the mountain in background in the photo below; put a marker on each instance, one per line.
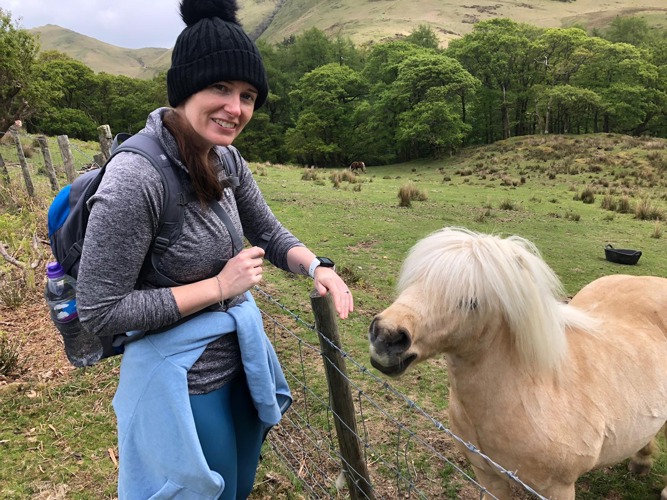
(363, 21)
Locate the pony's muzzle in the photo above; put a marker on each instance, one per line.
(388, 346)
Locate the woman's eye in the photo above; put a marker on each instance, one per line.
(221, 87)
(248, 97)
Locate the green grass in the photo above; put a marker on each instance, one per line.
(57, 433)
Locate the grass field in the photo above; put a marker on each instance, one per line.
(57, 429)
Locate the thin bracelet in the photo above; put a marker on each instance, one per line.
(222, 297)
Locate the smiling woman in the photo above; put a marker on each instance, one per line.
(201, 386)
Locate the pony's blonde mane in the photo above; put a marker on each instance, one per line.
(472, 273)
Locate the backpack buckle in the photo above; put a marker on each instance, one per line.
(160, 245)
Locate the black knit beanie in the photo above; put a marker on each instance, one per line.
(212, 48)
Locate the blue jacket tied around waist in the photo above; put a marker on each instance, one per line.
(160, 454)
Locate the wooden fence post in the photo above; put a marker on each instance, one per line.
(99, 160)
(48, 163)
(105, 141)
(4, 172)
(66, 153)
(24, 165)
(354, 465)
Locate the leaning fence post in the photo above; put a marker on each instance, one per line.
(66, 153)
(350, 448)
(48, 162)
(106, 139)
(24, 165)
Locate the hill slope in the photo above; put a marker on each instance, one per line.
(101, 56)
(363, 21)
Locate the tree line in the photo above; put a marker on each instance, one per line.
(332, 102)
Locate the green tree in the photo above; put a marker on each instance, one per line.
(70, 86)
(433, 125)
(631, 87)
(565, 109)
(424, 36)
(430, 92)
(501, 54)
(327, 98)
(18, 50)
(631, 29)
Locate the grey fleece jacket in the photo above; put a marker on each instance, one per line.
(123, 223)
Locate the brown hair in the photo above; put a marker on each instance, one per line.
(200, 159)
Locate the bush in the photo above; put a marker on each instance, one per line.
(13, 290)
(409, 193)
(309, 175)
(644, 210)
(10, 362)
(588, 196)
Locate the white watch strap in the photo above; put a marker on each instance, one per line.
(313, 265)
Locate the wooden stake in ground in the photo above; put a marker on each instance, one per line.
(66, 153)
(48, 163)
(24, 165)
(105, 141)
(4, 172)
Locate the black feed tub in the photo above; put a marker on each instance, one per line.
(622, 255)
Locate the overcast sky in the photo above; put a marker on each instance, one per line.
(132, 24)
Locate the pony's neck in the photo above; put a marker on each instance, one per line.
(485, 360)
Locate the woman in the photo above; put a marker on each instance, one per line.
(195, 400)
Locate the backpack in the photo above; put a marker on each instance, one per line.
(68, 213)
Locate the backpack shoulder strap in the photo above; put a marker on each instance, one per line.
(175, 197)
(231, 161)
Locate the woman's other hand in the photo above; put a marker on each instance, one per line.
(241, 272)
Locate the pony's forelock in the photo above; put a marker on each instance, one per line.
(456, 267)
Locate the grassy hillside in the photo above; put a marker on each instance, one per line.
(363, 21)
(103, 57)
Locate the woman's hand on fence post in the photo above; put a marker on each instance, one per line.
(326, 280)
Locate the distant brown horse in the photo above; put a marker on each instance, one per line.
(358, 165)
(547, 389)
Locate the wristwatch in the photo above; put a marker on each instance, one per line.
(320, 261)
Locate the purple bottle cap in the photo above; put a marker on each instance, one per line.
(54, 270)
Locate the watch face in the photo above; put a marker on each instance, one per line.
(326, 262)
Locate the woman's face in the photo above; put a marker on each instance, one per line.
(219, 112)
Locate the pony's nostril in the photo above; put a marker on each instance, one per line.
(372, 330)
(403, 338)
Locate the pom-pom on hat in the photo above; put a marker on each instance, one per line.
(213, 47)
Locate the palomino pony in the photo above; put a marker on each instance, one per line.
(547, 389)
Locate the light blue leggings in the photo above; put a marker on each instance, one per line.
(230, 434)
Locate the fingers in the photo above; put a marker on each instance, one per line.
(243, 271)
(342, 297)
